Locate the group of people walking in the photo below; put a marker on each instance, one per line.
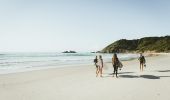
(116, 64)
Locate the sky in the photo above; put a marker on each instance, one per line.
(80, 25)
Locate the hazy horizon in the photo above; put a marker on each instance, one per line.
(80, 25)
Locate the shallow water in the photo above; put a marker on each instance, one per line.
(14, 62)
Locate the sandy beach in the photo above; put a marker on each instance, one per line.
(80, 82)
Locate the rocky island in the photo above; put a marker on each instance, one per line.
(69, 51)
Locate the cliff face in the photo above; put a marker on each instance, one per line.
(147, 44)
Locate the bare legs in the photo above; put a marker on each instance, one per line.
(99, 71)
(141, 66)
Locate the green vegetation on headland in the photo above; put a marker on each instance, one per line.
(146, 44)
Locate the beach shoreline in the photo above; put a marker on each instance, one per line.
(22, 62)
(80, 83)
(31, 68)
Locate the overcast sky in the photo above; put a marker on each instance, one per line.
(81, 25)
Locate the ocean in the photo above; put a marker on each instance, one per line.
(20, 62)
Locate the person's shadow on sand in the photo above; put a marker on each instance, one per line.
(142, 76)
(163, 70)
(121, 75)
(150, 76)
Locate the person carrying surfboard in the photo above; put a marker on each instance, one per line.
(100, 65)
(116, 64)
(97, 67)
(142, 61)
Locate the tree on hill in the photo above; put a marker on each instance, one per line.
(154, 44)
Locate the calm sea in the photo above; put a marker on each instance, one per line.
(19, 62)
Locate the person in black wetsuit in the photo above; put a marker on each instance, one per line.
(97, 67)
(142, 61)
(115, 62)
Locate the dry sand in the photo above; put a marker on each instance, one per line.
(80, 83)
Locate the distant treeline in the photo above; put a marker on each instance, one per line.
(146, 44)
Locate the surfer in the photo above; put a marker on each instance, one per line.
(100, 65)
(142, 61)
(115, 62)
(97, 67)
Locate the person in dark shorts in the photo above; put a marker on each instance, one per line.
(142, 61)
(115, 62)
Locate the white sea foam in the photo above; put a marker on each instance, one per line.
(17, 62)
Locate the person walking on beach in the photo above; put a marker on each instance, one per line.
(115, 62)
(97, 67)
(142, 61)
(100, 65)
